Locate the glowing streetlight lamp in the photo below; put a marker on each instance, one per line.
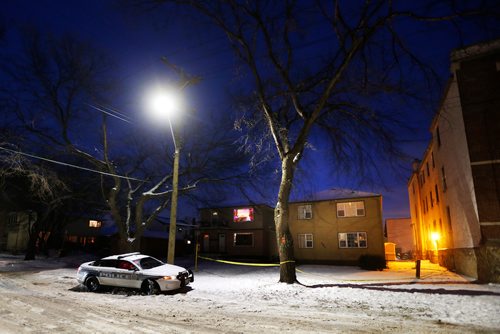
(164, 104)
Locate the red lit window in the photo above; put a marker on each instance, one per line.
(243, 215)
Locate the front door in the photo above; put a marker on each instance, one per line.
(222, 243)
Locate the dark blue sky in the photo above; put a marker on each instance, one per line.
(137, 43)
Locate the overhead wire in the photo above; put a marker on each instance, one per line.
(69, 165)
(112, 113)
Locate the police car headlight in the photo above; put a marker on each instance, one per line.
(168, 278)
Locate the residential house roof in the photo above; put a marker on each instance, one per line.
(335, 193)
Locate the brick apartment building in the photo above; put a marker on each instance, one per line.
(454, 190)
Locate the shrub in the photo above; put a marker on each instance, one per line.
(372, 262)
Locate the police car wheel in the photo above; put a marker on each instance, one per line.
(150, 287)
(92, 284)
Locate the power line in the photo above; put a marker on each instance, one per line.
(120, 116)
(70, 165)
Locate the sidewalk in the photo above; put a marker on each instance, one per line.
(397, 271)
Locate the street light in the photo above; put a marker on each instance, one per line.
(163, 104)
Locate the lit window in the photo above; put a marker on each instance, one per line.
(305, 211)
(305, 241)
(243, 239)
(351, 209)
(243, 215)
(353, 240)
(94, 223)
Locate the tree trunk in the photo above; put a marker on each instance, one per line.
(281, 215)
(126, 246)
(33, 238)
(34, 233)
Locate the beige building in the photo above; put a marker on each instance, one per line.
(337, 226)
(454, 190)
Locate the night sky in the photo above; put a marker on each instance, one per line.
(136, 43)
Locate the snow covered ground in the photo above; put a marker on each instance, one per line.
(42, 296)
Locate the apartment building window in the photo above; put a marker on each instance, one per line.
(351, 209)
(306, 240)
(243, 215)
(305, 211)
(94, 223)
(432, 159)
(427, 167)
(432, 199)
(443, 179)
(437, 194)
(243, 239)
(352, 240)
(438, 137)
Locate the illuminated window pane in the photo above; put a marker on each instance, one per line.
(243, 215)
(351, 209)
(94, 223)
(353, 240)
(305, 241)
(305, 211)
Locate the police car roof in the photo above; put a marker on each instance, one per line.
(128, 256)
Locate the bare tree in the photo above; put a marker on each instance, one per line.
(55, 90)
(341, 93)
(24, 185)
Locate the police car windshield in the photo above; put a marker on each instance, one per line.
(149, 262)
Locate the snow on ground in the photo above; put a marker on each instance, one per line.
(42, 296)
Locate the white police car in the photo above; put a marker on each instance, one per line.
(133, 270)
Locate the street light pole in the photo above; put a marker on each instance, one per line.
(173, 209)
(173, 205)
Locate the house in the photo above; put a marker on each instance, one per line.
(454, 190)
(154, 241)
(87, 232)
(399, 232)
(337, 226)
(14, 230)
(238, 231)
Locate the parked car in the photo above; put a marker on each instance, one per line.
(133, 270)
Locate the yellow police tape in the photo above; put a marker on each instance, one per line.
(247, 264)
(300, 271)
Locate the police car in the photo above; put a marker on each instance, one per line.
(133, 270)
